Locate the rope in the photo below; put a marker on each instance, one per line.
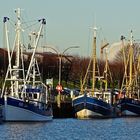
(31, 25)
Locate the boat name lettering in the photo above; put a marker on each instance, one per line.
(23, 105)
(20, 104)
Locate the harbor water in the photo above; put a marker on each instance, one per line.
(73, 129)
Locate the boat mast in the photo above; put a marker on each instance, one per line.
(7, 40)
(18, 29)
(13, 71)
(131, 59)
(43, 22)
(34, 72)
(138, 77)
(5, 19)
(106, 70)
(128, 76)
(92, 63)
(17, 48)
(129, 87)
(94, 59)
(125, 61)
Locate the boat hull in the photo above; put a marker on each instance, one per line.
(129, 106)
(17, 110)
(85, 113)
(90, 107)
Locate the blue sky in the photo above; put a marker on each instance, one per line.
(68, 21)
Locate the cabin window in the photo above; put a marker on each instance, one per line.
(30, 95)
(35, 96)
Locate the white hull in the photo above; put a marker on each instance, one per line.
(11, 113)
(25, 99)
(85, 113)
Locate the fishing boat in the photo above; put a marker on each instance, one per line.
(129, 102)
(24, 95)
(92, 102)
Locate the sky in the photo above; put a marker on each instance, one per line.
(69, 21)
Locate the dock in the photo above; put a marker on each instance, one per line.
(64, 111)
(62, 106)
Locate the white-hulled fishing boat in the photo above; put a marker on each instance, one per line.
(24, 95)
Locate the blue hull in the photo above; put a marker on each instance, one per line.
(1, 101)
(1, 104)
(33, 112)
(93, 104)
(129, 104)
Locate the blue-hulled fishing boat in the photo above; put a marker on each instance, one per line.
(129, 103)
(91, 103)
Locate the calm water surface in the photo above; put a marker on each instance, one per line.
(73, 129)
